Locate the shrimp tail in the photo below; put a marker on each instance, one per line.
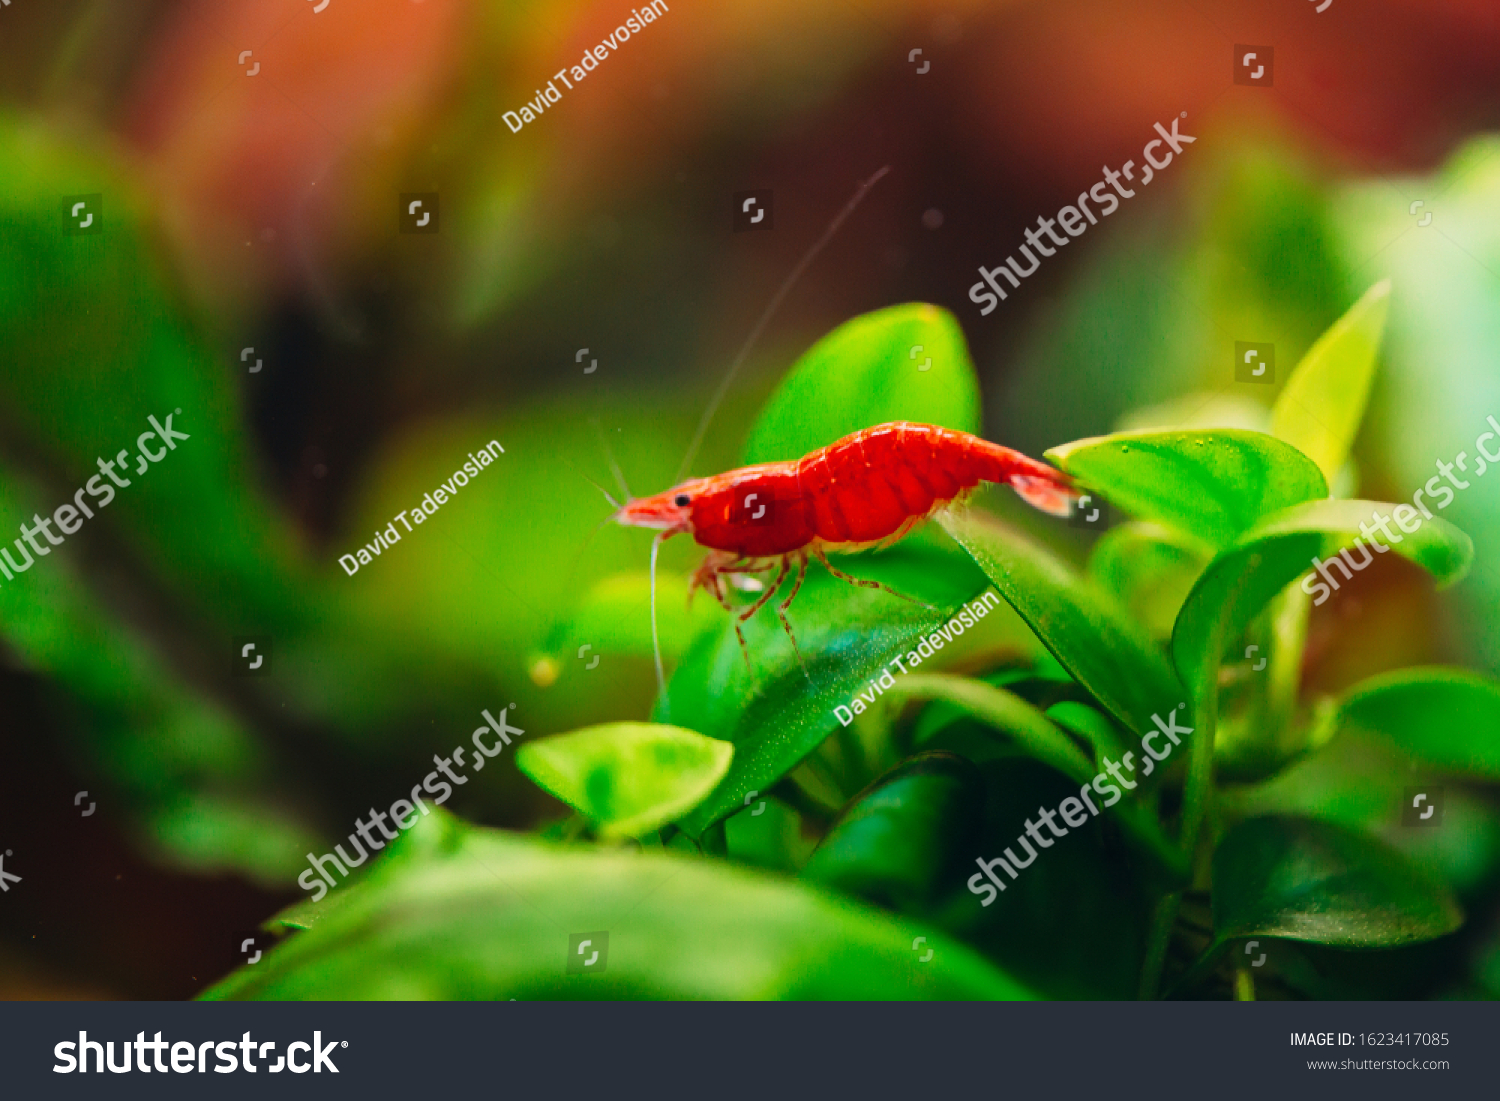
(1051, 495)
(1039, 485)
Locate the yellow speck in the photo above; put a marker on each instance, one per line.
(544, 672)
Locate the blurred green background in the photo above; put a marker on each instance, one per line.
(262, 212)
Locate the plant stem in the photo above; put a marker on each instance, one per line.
(1289, 616)
(1163, 921)
(1196, 799)
(1244, 985)
(789, 792)
(714, 841)
(1198, 791)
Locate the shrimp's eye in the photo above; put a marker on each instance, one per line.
(682, 500)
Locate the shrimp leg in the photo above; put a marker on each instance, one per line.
(718, 591)
(864, 582)
(770, 592)
(787, 603)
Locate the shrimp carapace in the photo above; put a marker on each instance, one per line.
(869, 488)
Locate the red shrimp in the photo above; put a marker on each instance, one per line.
(867, 489)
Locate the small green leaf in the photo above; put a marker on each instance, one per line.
(1212, 484)
(1309, 880)
(1448, 719)
(899, 842)
(1088, 633)
(1150, 568)
(1243, 578)
(870, 371)
(482, 914)
(627, 778)
(1322, 404)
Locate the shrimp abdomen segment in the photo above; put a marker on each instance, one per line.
(867, 486)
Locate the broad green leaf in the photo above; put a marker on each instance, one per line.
(1085, 629)
(901, 841)
(869, 371)
(1245, 576)
(777, 711)
(1150, 568)
(627, 778)
(1320, 408)
(457, 913)
(1448, 719)
(1212, 484)
(1308, 880)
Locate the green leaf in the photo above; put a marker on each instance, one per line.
(1150, 568)
(1446, 718)
(1309, 880)
(901, 841)
(1245, 576)
(1212, 484)
(456, 913)
(627, 778)
(1088, 633)
(774, 712)
(867, 372)
(1320, 408)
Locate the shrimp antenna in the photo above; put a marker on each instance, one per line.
(661, 679)
(602, 490)
(614, 467)
(765, 318)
